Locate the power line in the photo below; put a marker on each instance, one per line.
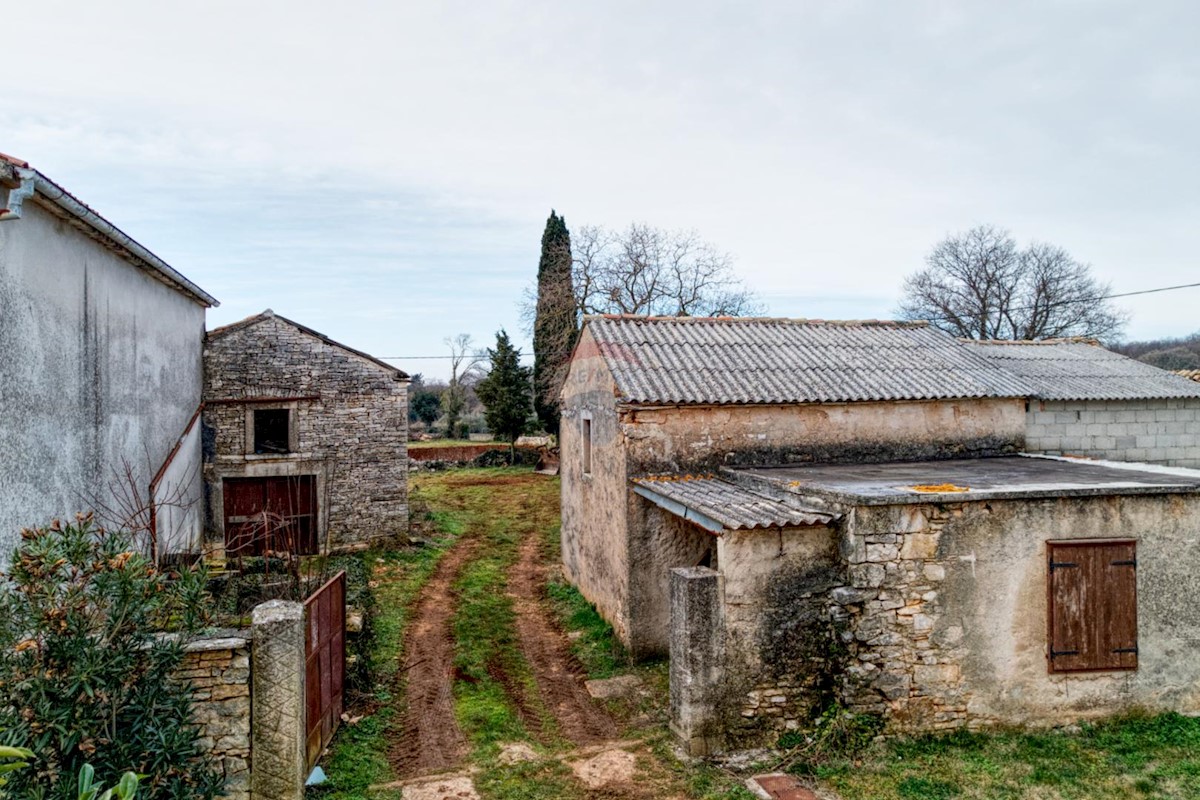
(1082, 300)
(931, 319)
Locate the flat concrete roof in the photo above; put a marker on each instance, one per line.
(967, 480)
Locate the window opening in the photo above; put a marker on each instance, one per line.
(271, 430)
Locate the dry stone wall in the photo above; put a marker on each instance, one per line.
(351, 426)
(219, 671)
(900, 664)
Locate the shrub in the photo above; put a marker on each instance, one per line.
(85, 670)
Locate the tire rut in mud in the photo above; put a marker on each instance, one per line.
(431, 740)
(558, 674)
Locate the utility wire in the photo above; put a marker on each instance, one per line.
(930, 319)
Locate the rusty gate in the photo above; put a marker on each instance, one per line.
(324, 663)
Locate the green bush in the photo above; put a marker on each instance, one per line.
(11, 760)
(85, 671)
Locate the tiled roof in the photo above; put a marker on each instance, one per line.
(1190, 374)
(1080, 370)
(669, 360)
(718, 505)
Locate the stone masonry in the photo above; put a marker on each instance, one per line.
(349, 418)
(219, 670)
(1153, 431)
(899, 666)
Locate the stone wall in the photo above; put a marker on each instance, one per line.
(350, 426)
(947, 610)
(1154, 431)
(686, 439)
(595, 548)
(781, 639)
(934, 617)
(219, 670)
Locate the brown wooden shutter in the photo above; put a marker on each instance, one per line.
(1093, 605)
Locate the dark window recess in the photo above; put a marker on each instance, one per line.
(271, 430)
(1093, 606)
(587, 447)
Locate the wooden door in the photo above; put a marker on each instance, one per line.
(276, 514)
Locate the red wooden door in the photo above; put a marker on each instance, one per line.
(271, 514)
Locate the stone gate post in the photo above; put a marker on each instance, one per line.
(697, 658)
(277, 707)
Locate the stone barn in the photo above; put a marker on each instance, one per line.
(306, 440)
(846, 513)
(101, 374)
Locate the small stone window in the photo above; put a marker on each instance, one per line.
(272, 430)
(1093, 605)
(587, 446)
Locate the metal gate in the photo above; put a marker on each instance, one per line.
(324, 663)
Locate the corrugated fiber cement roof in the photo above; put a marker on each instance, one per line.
(765, 361)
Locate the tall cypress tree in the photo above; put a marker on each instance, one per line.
(556, 326)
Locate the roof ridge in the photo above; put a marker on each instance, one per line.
(1090, 340)
(882, 323)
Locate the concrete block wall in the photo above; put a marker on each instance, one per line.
(1153, 431)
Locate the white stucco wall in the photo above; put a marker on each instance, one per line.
(1153, 431)
(101, 366)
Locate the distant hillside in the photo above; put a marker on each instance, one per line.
(1165, 353)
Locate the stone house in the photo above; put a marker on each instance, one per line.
(306, 440)
(845, 512)
(101, 379)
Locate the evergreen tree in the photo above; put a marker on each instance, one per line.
(556, 324)
(505, 392)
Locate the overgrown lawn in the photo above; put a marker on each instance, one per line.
(1134, 756)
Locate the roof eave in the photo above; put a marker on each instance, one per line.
(25, 183)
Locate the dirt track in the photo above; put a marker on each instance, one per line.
(559, 676)
(431, 740)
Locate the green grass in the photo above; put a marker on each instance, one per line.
(358, 757)
(1134, 756)
(450, 443)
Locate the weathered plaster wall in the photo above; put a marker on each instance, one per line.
(948, 610)
(353, 436)
(595, 544)
(659, 542)
(781, 653)
(218, 669)
(681, 439)
(1153, 431)
(101, 366)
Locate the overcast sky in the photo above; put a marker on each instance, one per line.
(382, 171)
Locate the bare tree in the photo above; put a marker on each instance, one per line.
(466, 364)
(647, 270)
(980, 285)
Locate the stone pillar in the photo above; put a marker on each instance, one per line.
(277, 767)
(697, 658)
